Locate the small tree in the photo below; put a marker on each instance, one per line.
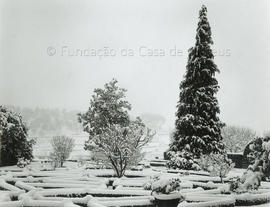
(112, 135)
(62, 147)
(14, 141)
(120, 147)
(236, 138)
(216, 164)
(107, 107)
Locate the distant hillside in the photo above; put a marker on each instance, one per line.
(49, 122)
(153, 121)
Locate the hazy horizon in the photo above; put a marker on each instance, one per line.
(42, 65)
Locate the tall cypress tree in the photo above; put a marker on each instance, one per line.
(198, 127)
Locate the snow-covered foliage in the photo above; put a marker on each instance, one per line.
(259, 155)
(137, 168)
(182, 160)
(22, 162)
(165, 186)
(217, 164)
(62, 146)
(107, 107)
(198, 128)
(236, 138)
(14, 140)
(148, 185)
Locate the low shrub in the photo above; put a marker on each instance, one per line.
(182, 160)
(163, 186)
(22, 162)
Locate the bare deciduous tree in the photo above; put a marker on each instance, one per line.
(120, 147)
(216, 164)
(236, 138)
(62, 147)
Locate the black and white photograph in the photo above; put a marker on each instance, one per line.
(132, 103)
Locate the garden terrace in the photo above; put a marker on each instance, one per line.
(76, 186)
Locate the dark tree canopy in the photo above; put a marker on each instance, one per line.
(198, 127)
(14, 143)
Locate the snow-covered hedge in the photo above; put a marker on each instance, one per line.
(248, 199)
(79, 187)
(198, 201)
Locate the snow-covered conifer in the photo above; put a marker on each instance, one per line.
(198, 127)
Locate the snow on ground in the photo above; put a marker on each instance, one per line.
(75, 186)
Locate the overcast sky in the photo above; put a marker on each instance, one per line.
(42, 64)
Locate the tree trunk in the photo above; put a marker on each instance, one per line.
(122, 173)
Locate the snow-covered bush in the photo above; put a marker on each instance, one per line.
(259, 155)
(62, 147)
(165, 186)
(136, 168)
(249, 181)
(216, 164)
(22, 162)
(253, 150)
(148, 185)
(235, 184)
(14, 141)
(182, 160)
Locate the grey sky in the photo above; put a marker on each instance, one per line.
(30, 77)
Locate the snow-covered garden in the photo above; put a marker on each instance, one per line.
(39, 185)
(196, 170)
